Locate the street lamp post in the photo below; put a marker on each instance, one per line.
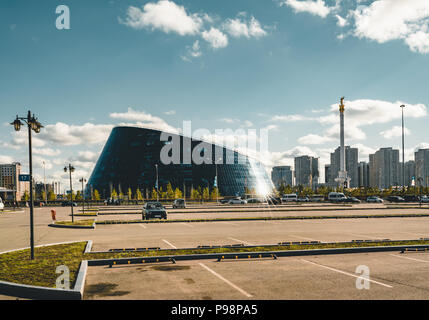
(157, 181)
(34, 125)
(70, 169)
(403, 151)
(83, 180)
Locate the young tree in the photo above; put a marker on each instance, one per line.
(206, 194)
(51, 196)
(169, 192)
(153, 194)
(114, 194)
(26, 196)
(139, 196)
(178, 194)
(79, 196)
(130, 194)
(215, 193)
(96, 195)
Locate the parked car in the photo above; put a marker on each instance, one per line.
(336, 196)
(374, 199)
(424, 199)
(303, 199)
(395, 199)
(351, 200)
(411, 198)
(224, 201)
(112, 201)
(289, 197)
(179, 203)
(255, 200)
(274, 200)
(237, 201)
(317, 198)
(68, 204)
(153, 210)
(1, 204)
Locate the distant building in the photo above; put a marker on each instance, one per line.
(409, 171)
(351, 166)
(384, 168)
(9, 179)
(327, 174)
(306, 171)
(421, 158)
(363, 174)
(40, 187)
(282, 175)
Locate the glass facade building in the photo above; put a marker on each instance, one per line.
(136, 158)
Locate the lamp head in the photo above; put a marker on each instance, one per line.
(17, 124)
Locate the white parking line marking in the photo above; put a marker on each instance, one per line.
(364, 235)
(238, 240)
(227, 281)
(169, 244)
(231, 223)
(143, 226)
(414, 259)
(188, 225)
(346, 273)
(305, 238)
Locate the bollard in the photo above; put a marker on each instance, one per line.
(54, 215)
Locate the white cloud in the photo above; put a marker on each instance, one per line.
(166, 16)
(315, 139)
(317, 7)
(394, 132)
(68, 135)
(216, 38)
(170, 113)
(386, 20)
(290, 118)
(49, 152)
(5, 159)
(143, 120)
(341, 22)
(193, 51)
(240, 28)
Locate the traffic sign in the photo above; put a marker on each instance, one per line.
(24, 177)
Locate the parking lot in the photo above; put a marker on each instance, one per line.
(392, 276)
(396, 276)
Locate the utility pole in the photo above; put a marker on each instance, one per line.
(403, 151)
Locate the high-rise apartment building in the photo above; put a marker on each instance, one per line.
(363, 174)
(9, 179)
(421, 158)
(351, 166)
(282, 175)
(384, 168)
(306, 171)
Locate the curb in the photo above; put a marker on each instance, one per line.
(284, 253)
(45, 293)
(54, 225)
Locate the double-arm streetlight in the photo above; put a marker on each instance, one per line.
(36, 126)
(403, 151)
(70, 169)
(83, 180)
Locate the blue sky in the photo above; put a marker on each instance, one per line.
(250, 64)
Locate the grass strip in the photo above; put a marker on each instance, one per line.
(17, 267)
(411, 215)
(77, 223)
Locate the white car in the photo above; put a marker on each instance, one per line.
(424, 199)
(237, 201)
(374, 199)
(1, 204)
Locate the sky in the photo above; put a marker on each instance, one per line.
(275, 65)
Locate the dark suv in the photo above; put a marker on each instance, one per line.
(395, 199)
(153, 210)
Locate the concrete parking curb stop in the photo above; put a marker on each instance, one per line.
(45, 293)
